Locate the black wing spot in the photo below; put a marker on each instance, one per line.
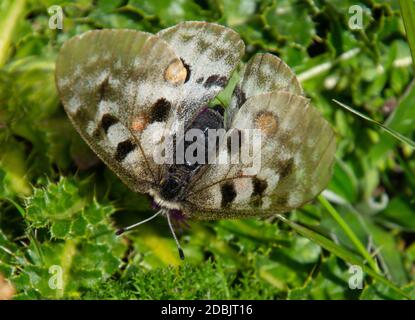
(240, 96)
(188, 70)
(218, 53)
(282, 201)
(259, 186)
(123, 149)
(219, 109)
(160, 110)
(107, 121)
(286, 168)
(103, 88)
(215, 80)
(203, 45)
(228, 193)
(199, 80)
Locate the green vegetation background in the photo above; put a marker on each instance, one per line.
(60, 206)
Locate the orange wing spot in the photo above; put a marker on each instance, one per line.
(139, 123)
(267, 122)
(176, 72)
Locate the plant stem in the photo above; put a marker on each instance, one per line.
(408, 17)
(349, 233)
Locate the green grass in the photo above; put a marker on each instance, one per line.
(59, 206)
(388, 130)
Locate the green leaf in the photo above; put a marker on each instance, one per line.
(279, 17)
(398, 213)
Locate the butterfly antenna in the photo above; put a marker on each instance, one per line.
(122, 230)
(181, 253)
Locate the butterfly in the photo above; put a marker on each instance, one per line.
(125, 91)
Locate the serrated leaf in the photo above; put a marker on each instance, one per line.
(60, 229)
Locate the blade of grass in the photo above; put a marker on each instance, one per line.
(349, 233)
(340, 252)
(8, 22)
(390, 131)
(408, 14)
(18, 207)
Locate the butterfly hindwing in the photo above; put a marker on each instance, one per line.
(118, 88)
(263, 73)
(297, 152)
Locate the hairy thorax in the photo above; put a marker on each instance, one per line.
(174, 184)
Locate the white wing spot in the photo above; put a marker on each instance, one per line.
(98, 79)
(90, 128)
(63, 82)
(298, 159)
(106, 106)
(271, 177)
(77, 71)
(136, 62)
(152, 136)
(74, 104)
(117, 133)
(114, 83)
(118, 64)
(315, 189)
(311, 140)
(131, 158)
(244, 189)
(93, 59)
(266, 203)
(295, 199)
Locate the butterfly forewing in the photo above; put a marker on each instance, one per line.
(118, 88)
(211, 53)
